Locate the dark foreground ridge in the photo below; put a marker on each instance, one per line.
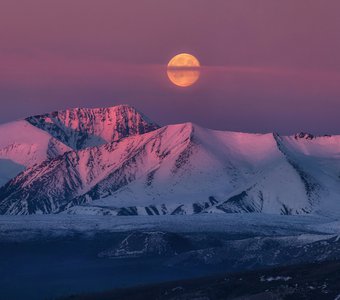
(306, 281)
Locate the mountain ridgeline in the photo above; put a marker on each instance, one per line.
(81, 128)
(115, 161)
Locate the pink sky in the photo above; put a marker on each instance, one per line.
(267, 65)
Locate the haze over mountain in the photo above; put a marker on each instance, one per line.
(117, 161)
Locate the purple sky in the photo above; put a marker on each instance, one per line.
(267, 65)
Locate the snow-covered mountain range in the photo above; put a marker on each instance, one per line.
(116, 161)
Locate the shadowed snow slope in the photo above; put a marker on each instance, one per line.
(184, 169)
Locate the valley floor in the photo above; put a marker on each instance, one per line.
(51, 256)
(27, 227)
(306, 281)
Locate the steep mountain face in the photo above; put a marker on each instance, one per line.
(183, 169)
(78, 172)
(39, 138)
(80, 128)
(23, 145)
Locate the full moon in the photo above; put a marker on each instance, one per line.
(183, 70)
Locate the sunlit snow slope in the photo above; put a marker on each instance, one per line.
(39, 138)
(23, 145)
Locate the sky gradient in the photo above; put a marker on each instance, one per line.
(266, 65)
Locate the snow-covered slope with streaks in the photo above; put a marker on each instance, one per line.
(23, 145)
(39, 138)
(80, 128)
(184, 169)
(317, 160)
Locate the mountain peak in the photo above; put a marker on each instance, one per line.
(304, 135)
(83, 127)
